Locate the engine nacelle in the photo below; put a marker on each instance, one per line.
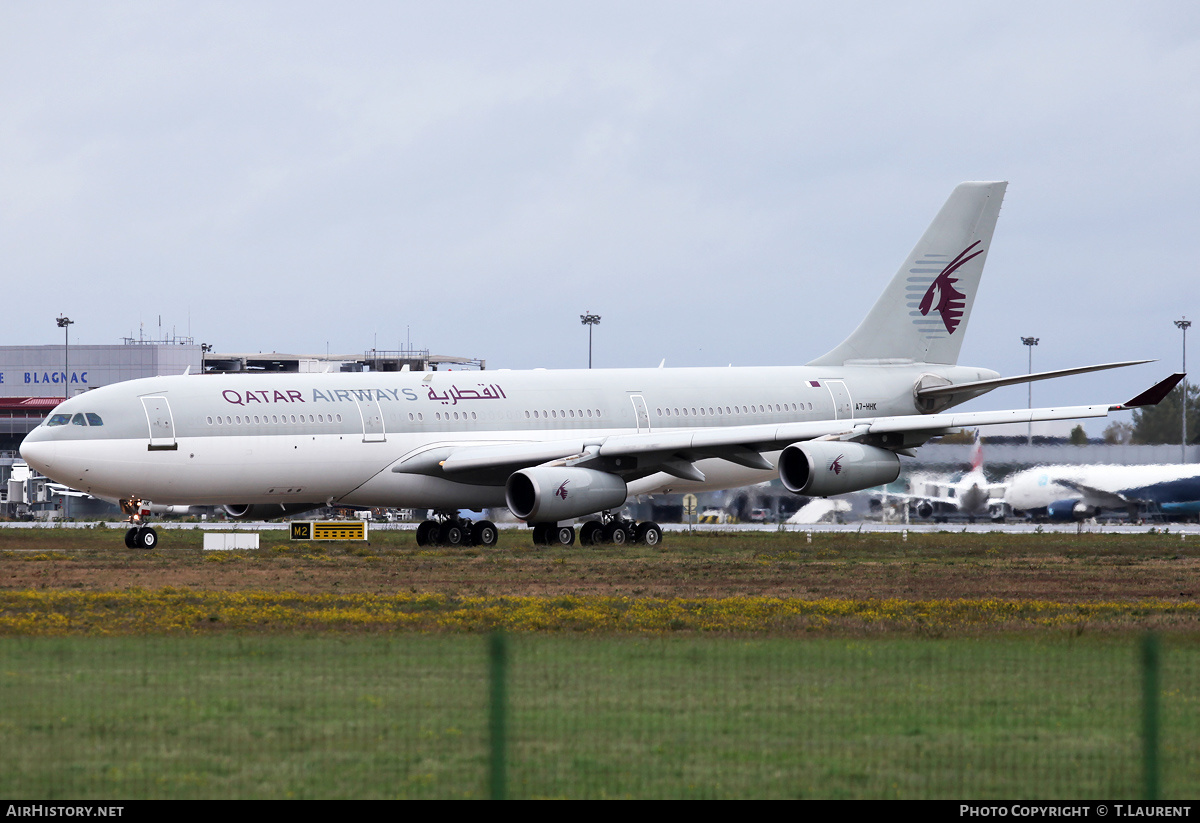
(1071, 509)
(819, 468)
(925, 510)
(547, 494)
(267, 511)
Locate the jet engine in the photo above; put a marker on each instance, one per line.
(547, 494)
(1071, 509)
(819, 468)
(267, 511)
(925, 509)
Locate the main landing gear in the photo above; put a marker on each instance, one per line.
(452, 530)
(607, 530)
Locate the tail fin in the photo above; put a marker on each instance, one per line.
(922, 314)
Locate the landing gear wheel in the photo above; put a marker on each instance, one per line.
(484, 533)
(453, 535)
(424, 532)
(591, 533)
(131, 539)
(144, 538)
(649, 534)
(616, 533)
(561, 535)
(539, 534)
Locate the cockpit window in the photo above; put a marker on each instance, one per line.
(79, 420)
(59, 420)
(94, 419)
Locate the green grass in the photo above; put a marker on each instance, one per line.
(405, 716)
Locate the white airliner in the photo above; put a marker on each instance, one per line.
(556, 445)
(972, 494)
(1079, 492)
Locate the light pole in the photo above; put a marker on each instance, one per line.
(205, 348)
(64, 323)
(590, 320)
(1183, 325)
(1030, 342)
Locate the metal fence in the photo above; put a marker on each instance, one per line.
(556, 715)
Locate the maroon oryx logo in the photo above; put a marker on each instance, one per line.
(950, 300)
(836, 465)
(562, 490)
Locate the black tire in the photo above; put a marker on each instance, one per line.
(539, 534)
(591, 533)
(485, 533)
(131, 539)
(423, 532)
(616, 534)
(562, 535)
(453, 535)
(147, 539)
(649, 534)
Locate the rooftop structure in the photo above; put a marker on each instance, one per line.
(373, 360)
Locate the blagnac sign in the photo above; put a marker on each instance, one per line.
(42, 377)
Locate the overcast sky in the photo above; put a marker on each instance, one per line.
(723, 182)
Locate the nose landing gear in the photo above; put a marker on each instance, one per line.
(140, 536)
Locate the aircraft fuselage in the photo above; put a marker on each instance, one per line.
(315, 438)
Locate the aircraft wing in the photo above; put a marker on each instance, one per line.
(1094, 496)
(980, 386)
(676, 450)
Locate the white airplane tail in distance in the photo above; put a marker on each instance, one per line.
(556, 446)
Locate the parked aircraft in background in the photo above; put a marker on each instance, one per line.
(971, 495)
(1081, 492)
(558, 445)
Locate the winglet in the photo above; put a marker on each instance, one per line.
(1153, 395)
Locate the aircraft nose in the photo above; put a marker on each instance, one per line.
(39, 453)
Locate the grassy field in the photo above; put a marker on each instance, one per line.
(322, 717)
(949, 665)
(1050, 567)
(187, 612)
